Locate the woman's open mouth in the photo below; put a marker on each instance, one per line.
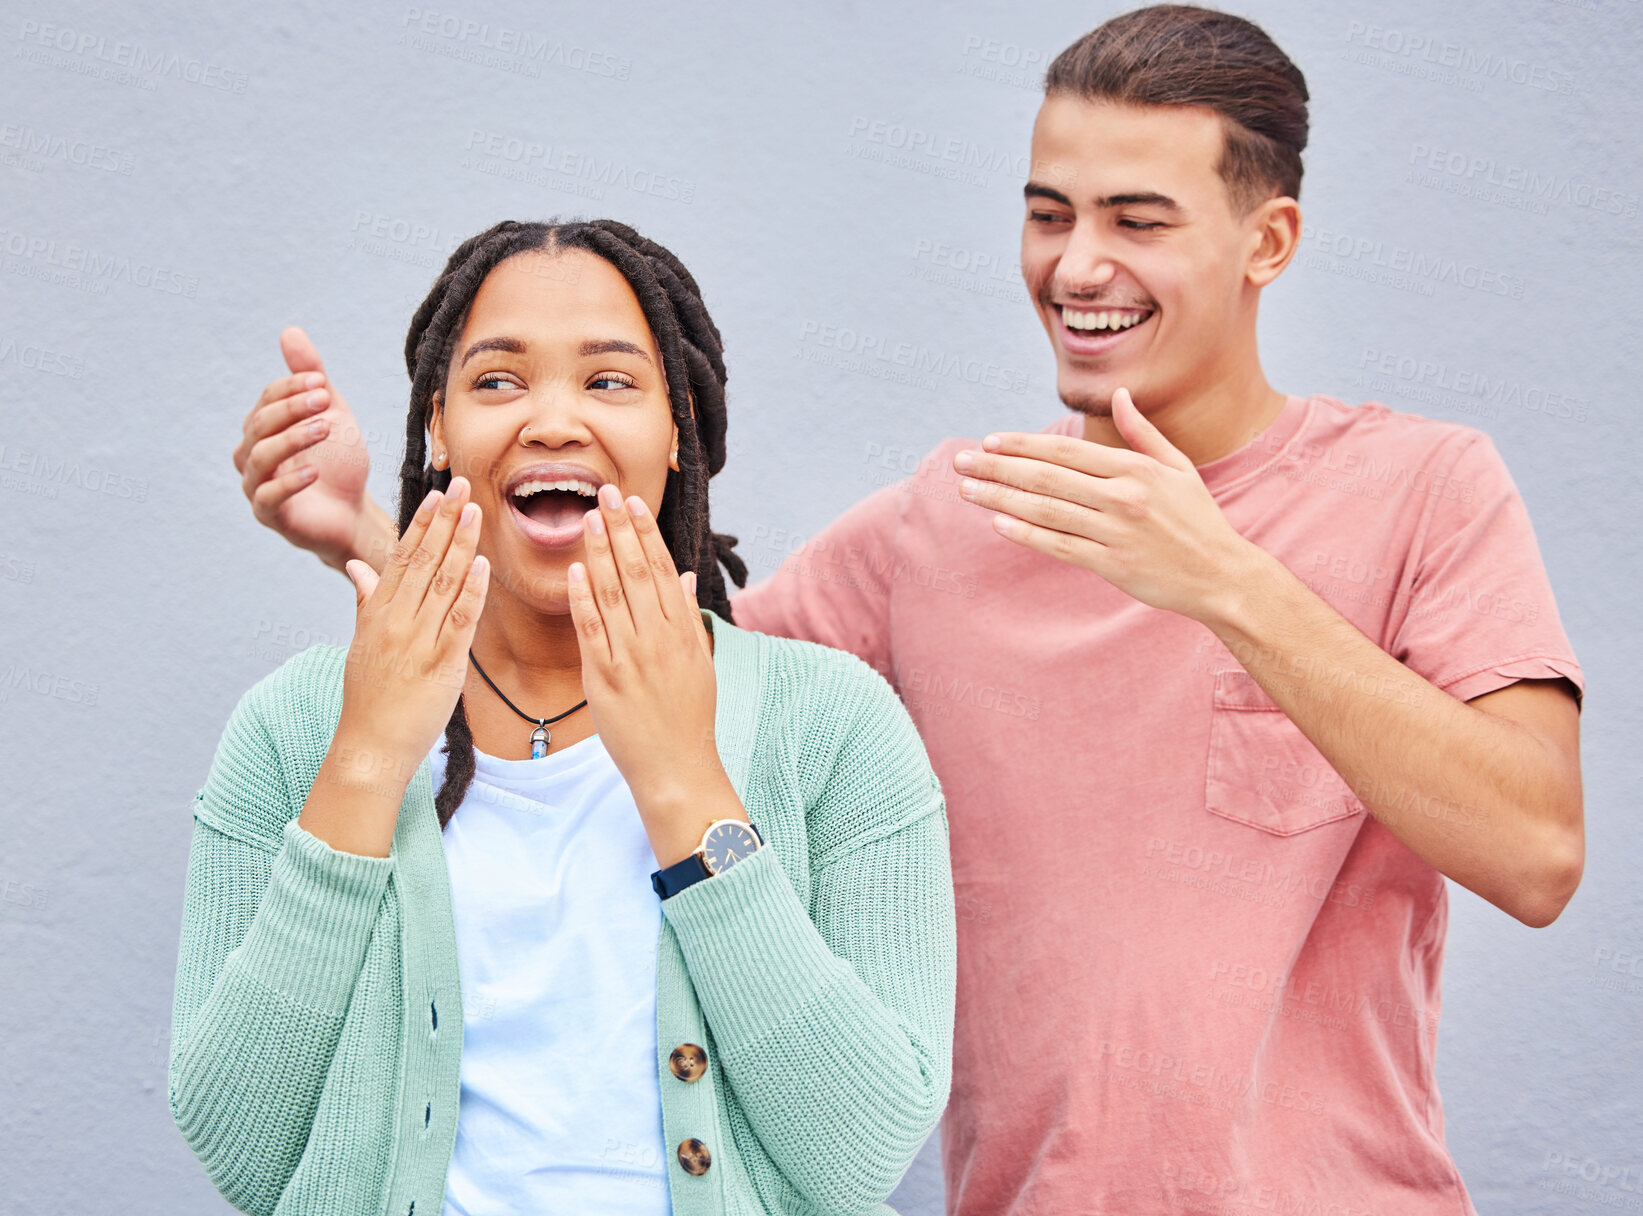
(549, 511)
(1095, 331)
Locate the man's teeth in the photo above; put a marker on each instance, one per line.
(1102, 320)
(526, 488)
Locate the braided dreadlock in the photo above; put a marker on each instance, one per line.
(687, 339)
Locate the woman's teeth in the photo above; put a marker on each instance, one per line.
(525, 489)
(1102, 320)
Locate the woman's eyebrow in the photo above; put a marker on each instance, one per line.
(512, 345)
(593, 346)
(606, 346)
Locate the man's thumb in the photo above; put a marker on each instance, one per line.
(364, 579)
(298, 349)
(1142, 436)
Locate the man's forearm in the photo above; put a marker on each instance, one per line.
(1478, 796)
(374, 538)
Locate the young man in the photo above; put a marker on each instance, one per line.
(1243, 676)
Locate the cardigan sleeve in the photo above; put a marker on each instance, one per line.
(272, 944)
(834, 1024)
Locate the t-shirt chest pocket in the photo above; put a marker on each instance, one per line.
(1262, 770)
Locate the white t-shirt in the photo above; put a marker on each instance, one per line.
(556, 927)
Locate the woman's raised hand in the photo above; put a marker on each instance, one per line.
(414, 625)
(647, 672)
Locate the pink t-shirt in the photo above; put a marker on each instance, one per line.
(1194, 975)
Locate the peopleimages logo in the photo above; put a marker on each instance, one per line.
(951, 156)
(1457, 167)
(1437, 382)
(534, 161)
(95, 267)
(855, 350)
(531, 49)
(29, 142)
(140, 63)
(39, 358)
(1413, 264)
(1472, 66)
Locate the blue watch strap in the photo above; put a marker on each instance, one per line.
(693, 869)
(679, 875)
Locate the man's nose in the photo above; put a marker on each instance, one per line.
(1086, 262)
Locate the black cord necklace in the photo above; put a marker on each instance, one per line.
(540, 738)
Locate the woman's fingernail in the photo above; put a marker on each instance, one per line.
(316, 401)
(637, 508)
(318, 427)
(610, 496)
(596, 523)
(313, 379)
(963, 461)
(433, 497)
(469, 514)
(578, 573)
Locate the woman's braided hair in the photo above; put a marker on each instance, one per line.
(687, 338)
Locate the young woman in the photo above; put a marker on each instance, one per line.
(556, 891)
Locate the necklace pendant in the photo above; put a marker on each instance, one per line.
(540, 738)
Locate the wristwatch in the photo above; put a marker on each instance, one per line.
(725, 842)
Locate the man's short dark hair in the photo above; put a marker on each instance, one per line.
(1183, 55)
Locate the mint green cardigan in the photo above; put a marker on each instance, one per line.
(317, 1030)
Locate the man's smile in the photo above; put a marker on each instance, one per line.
(1097, 329)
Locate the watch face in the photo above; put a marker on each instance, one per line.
(726, 844)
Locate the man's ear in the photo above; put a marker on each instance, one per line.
(1277, 235)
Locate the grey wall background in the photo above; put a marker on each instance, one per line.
(179, 184)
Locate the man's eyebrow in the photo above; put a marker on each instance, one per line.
(512, 345)
(1037, 190)
(1136, 198)
(607, 346)
(1139, 198)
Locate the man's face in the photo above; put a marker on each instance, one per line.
(1131, 251)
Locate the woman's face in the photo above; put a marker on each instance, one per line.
(555, 387)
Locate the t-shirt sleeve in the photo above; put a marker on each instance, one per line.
(1478, 612)
(836, 589)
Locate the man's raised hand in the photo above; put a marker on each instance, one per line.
(1140, 517)
(303, 462)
